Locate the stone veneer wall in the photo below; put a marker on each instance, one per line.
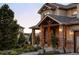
(69, 40)
(70, 37)
(61, 37)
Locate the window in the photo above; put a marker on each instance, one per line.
(47, 13)
(74, 13)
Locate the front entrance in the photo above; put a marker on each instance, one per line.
(55, 32)
(76, 41)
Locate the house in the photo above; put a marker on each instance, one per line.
(63, 22)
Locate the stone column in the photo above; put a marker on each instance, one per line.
(33, 36)
(42, 36)
(49, 35)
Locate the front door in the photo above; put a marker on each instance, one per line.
(76, 41)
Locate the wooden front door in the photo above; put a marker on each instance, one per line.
(76, 41)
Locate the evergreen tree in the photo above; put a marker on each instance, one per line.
(8, 28)
(30, 38)
(21, 40)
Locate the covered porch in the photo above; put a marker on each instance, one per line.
(47, 26)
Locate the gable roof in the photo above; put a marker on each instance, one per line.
(57, 5)
(72, 5)
(63, 20)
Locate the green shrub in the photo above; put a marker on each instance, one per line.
(12, 52)
(19, 50)
(26, 50)
(4, 53)
(29, 46)
(25, 46)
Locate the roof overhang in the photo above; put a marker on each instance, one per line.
(34, 27)
(45, 5)
(51, 18)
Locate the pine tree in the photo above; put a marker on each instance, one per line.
(8, 28)
(21, 40)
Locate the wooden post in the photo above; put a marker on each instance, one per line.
(42, 36)
(49, 35)
(65, 33)
(33, 36)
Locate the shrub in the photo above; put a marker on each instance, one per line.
(26, 50)
(3, 52)
(19, 50)
(12, 52)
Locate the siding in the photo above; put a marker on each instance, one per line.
(71, 11)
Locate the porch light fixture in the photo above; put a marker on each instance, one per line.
(71, 32)
(60, 29)
(38, 31)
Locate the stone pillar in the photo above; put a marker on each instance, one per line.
(49, 35)
(33, 36)
(42, 36)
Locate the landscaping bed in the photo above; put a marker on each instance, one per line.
(17, 51)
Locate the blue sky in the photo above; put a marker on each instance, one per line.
(26, 14)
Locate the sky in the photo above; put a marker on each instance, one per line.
(26, 14)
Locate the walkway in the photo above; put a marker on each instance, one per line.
(31, 53)
(47, 50)
(37, 52)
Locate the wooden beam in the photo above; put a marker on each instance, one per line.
(51, 25)
(33, 36)
(65, 35)
(49, 35)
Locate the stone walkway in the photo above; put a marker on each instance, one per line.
(30, 53)
(47, 50)
(37, 52)
(72, 54)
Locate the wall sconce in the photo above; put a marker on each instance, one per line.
(71, 32)
(38, 31)
(60, 29)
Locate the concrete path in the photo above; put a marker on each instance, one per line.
(72, 54)
(37, 52)
(30, 53)
(47, 50)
